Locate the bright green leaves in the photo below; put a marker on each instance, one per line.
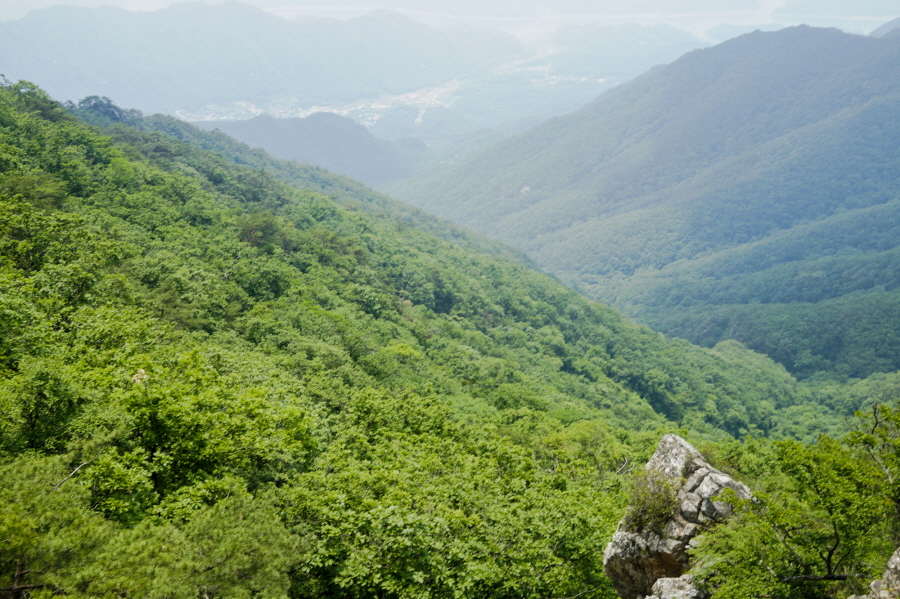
(41, 190)
(121, 485)
(878, 434)
(37, 405)
(54, 544)
(820, 529)
(652, 502)
(842, 490)
(427, 516)
(48, 532)
(26, 97)
(28, 237)
(59, 257)
(24, 328)
(193, 422)
(407, 503)
(267, 231)
(377, 414)
(235, 548)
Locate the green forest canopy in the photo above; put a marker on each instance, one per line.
(215, 384)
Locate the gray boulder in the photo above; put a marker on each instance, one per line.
(676, 588)
(636, 559)
(888, 587)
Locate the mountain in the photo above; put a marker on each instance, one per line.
(563, 73)
(887, 28)
(618, 52)
(193, 55)
(211, 379)
(217, 383)
(397, 76)
(748, 191)
(857, 16)
(330, 141)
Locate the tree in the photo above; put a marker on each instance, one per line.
(817, 530)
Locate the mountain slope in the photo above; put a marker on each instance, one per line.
(402, 78)
(329, 141)
(443, 291)
(888, 28)
(213, 380)
(720, 150)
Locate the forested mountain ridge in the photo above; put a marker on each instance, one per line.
(330, 141)
(214, 383)
(779, 146)
(349, 193)
(888, 28)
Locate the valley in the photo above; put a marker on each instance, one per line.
(431, 311)
(729, 195)
(366, 112)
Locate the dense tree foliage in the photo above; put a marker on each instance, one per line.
(820, 523)
(214, 384)
(824, 516)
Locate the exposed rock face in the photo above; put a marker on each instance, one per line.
(635, 560)
(676, 588)
(889, 585)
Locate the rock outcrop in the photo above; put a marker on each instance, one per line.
(888, 587)
(676, 588)
(638, 561)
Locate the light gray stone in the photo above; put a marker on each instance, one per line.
(888, 587)
(690, 506)
(890, 582)
(696, 478)
(636, 560)
(675, 458)
(682, 587)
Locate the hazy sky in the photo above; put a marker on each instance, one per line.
(696, 15)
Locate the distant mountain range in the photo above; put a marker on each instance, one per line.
(330, 141)
(889, 27)
(191, 55)
(747, 191)
(230, 61)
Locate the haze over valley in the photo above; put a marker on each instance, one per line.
(691, 196)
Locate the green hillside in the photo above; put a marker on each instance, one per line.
(216, 384)
(747, 191)
(349, 193)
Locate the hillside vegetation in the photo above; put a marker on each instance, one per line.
(748, 191)
(215, 384)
